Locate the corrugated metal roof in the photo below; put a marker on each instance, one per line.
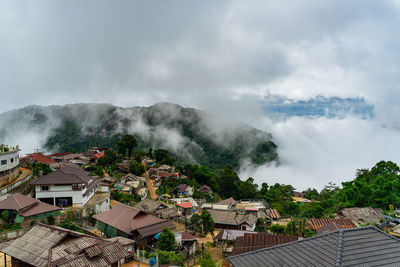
(273, 213)
(255, 241)
(316, 223)
(228, 234)
(365, 246)
(155, 228)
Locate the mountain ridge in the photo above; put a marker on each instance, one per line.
(190, 134)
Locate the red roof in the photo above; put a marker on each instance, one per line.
(39, 157)
(99, 155)
(185, 205)
(252, 209)
(273, 213)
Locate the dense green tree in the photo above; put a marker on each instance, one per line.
(109, 158)
(248, 189)
(228, 183)
(261, 225)
(130, 142)
(163, 156)
(277, 229)
(136, 168)
(204, 222)
(166, 240)
(311, 210)
(311, 193)
(377, 188)
(5, 215)
(207, 261)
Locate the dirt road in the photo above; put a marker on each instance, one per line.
(150, 183)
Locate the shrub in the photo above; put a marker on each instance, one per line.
(51, 220)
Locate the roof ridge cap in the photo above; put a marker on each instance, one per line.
(338, 260)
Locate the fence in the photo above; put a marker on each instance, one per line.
(12, 234)
(194, 260)
(12, 186)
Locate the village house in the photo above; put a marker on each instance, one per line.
(129, 222)
(255, 241)
(185, 199)
(332, 227)
(66, 187)
(205, 189)
(187, 243)
(361, 215)
(316, 223)
(365, 246)
(45, 245)
(226, 238)
(157, 208)
(9, 162)
(227, 204)
(127, 244)
(185, 208)
(40, 158)
(183, 190)
(24, 210)
(227, 219)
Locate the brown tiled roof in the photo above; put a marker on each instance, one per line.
(228, 201)
(26, 206)
(17, 202)
(120, 217)
(181, 188)
(314, 223)
(251, 242)
(65, 175)
(332, 227)
(186, 236)
(128, 219)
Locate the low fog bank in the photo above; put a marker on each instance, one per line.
(316, 151)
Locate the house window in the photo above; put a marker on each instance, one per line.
(12, 160)
(45, 188)
(4, 162)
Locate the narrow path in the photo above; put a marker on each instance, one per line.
(150, 183)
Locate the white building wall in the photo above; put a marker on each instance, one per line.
(61, 191)
(8, 156)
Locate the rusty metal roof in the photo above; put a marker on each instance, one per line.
(315, 223)
(45, 245)
(273, 213)
(255, 241)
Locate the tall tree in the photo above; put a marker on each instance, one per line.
(130, 143)
(228, 183)
(166, 240)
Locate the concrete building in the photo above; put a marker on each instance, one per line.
(9, 161)
(66, 187)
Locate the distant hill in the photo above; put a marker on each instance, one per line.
(190, 134)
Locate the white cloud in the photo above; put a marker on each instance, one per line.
(315, 151)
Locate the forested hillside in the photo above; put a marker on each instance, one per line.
(190, 134)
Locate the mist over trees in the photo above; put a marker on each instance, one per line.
(188, 134)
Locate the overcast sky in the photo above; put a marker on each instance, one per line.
(219, 56)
